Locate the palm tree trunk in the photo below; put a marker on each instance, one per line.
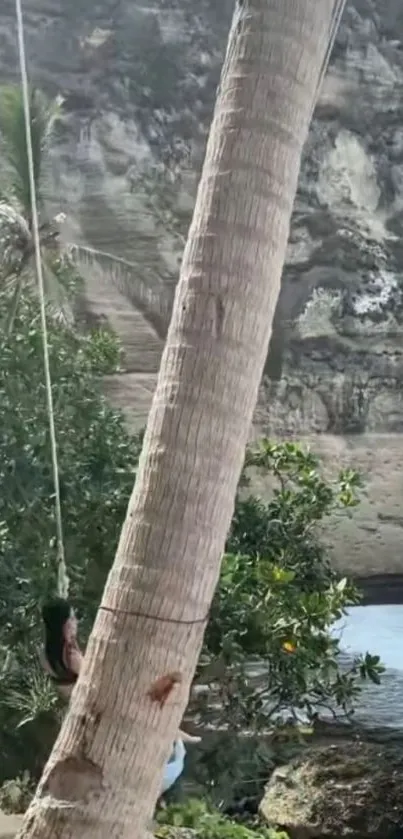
(104, 775)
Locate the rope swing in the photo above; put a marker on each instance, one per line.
(62, 576)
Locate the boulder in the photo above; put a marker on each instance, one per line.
(352, 789)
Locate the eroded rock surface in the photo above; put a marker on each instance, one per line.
(350, 789)
(139, 81)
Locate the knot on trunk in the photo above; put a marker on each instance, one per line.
(73, 779)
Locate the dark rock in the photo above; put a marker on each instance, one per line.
(350, 789)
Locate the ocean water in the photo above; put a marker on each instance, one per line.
(378, 630)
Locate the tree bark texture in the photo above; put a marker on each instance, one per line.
(104, 775)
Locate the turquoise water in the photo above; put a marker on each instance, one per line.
(378, 630)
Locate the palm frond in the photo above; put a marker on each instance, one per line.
(17, 267)
(13, 146)
(138, 283)
(14, 304)
(32, 700)
(56, 294)
(15, 240)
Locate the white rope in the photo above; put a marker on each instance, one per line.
(334, 26)
(63, 580)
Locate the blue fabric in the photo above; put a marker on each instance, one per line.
(175, 766)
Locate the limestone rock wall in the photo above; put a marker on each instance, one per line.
(139, 81)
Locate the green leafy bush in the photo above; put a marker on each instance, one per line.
(208, 823)
(268, 643)
(97, 462)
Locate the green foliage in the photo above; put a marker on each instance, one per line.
(16, 240)
(209, 823)
(97, 461)
(284, 530)
(271, 618)
(13, 148)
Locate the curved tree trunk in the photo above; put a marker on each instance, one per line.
(104, 774)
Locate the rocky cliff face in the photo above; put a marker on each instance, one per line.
(139, 82)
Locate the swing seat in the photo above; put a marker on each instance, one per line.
(175, 766)
(64, 681)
